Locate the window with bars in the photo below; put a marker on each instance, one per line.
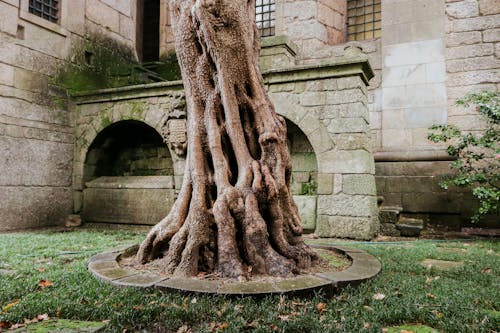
(46, 9)
(265, 16)
(364, 19)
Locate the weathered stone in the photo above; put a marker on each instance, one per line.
(189, 285)
(325, 183)
(347, 205)
(410, 227)
(467, 8)
(488, 7)
(104, 202)
(472, 64)
(363, 184)
(389, 229)
(347, 227)
(491, 35)
(307, 210)
(476, 23)
(441, 264)
(463, 38)
(347, 161)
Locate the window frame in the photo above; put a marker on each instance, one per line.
(58, 28)
(374, 19)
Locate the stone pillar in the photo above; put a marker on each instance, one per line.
(328, 103)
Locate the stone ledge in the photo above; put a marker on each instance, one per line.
(364, 266)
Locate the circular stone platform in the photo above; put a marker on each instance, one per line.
(364, 266)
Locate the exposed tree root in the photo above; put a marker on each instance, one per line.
(235, 214)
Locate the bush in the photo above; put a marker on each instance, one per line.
(477, 163)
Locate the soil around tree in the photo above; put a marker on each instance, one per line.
(330, 260)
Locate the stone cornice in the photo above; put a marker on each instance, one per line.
(348, 65)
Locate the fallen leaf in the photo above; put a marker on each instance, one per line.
(367, 308)
(274, 327)
(406, 331)
(321, 307)
(366, 325)
(10, 305)
(378, 297)
(45, 283)
(42, 317)
(13, 327)
(215, 327)
(284, 317)
(138, 307)
(5, 324)
(184, 329)
(41, 269)
(431, 295)
(194, 301)
(486, 270)
(437, 314)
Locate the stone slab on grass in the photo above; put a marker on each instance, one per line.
(410, 328)
(443, 265)
(63, 325)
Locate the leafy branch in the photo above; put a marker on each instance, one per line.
(477, 163)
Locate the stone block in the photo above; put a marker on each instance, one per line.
(347, 205)
(409, 227)
(345, 96)
(348, 161)
(362, 184)
(461, 9)
(402, 75)
(396, 138)
(463, 38)
(312, 98)
(476, 23)
(432, 202)
(6, 74)
(34, 162)
(8, 18)
(110, 202)
(393, 119)
(474, 77)
(325, 183)
(424, 117)
(346, 227)
(352, 141)
(472, 64)
(103, 15)
(413, 53)
(307, 210)
(491, 35)
(33, 206)
(348, 125)
(468, 51)
(489, 7)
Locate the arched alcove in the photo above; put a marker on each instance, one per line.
(128, 148)
(304, 174)
(128, 175)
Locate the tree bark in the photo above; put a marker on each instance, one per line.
(234, 214)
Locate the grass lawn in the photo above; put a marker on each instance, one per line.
(45, 273)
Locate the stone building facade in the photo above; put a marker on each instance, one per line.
(359, 104)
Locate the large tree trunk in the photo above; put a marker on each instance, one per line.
(235, 213)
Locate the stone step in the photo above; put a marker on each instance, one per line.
(389, 214)
(410, 227)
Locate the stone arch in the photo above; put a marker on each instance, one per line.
(312, 127)
(127, 148)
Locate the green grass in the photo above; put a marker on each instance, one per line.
(465, 299)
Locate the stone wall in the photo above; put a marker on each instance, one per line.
(36, 127)
(326, 106)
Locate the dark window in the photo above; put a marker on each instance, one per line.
(265, 16)
(364, 19)
(46, 9)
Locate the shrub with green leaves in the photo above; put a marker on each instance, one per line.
(477, 163)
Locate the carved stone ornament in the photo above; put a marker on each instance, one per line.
(174, 132)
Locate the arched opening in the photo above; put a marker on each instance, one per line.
(128, 176)
(304, 175)
(128, 148)
(148, 30)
